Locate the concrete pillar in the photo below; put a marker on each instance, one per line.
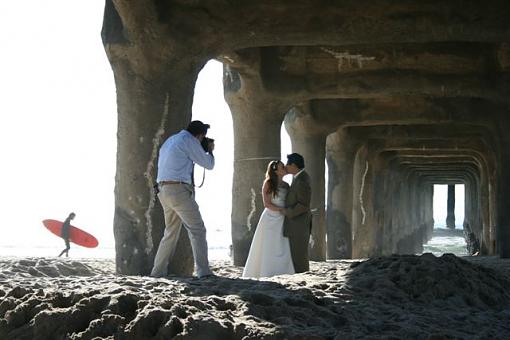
(363, 231)
(340, 154)
(493, 211)
(257, 119)
(410, 206)
(392, 207)
(154, 100)
(485, 205)
(429, 214)
(503, 198)
(450, 207)
(420, 227)
(377, 206)
(407, 237)
(472, 221)
(310, 141)
(150, 108)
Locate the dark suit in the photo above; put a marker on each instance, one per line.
(297, 221)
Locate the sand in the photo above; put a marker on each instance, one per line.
(396, 297)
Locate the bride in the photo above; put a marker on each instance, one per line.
(270, 250)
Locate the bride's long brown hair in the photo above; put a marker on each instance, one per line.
(272, 177)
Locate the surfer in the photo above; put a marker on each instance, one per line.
(64, 233)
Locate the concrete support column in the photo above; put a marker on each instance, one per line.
(402, 214)
(150, 108)
(378, 200)
(256, 143)
(450, 207)
(409, 237)
(429, 212)
(155, 79)
(417, 222)
(493, 211)
(310, 141)
(363, 231)
(340, 154)
(503, 218)
(503, 200)
(392, 209)
(485, 206)
(472, 221)
(257, 118)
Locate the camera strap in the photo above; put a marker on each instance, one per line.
(203, 180)
(193, 177)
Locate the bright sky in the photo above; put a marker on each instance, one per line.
(58, 121)
(440, 200)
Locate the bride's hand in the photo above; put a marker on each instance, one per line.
(283, 211)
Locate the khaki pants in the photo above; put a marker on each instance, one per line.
(180, 208)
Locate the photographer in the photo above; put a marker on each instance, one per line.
(177, 195)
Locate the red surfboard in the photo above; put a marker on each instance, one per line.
(76, 235)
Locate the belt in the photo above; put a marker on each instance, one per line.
(171, 182)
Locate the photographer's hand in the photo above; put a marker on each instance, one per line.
(211, 147)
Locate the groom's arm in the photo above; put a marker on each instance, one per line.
(303, 197)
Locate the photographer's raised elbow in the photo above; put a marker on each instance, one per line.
(210, 166)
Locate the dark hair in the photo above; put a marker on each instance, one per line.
(272, 177)
(196, 128)
(297, 159)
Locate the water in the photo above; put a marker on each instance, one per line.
(443, 241)
(219, 249)
(446, 241)
(76, 252)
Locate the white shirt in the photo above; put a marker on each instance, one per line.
(177, 155)
(299, 173)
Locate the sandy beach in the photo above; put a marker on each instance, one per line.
(397, 297)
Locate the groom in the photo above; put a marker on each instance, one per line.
(297, 225)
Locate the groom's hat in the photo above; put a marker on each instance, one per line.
(297, 159)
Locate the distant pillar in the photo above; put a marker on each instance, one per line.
(340, 153)
(310, 141)
(503, 199)
(450, 214)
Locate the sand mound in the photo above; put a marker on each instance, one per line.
(436, 280)
(51, 267)
(418, 297)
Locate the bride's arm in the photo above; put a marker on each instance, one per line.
(266, 198)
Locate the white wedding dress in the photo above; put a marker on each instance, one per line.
(270, 250)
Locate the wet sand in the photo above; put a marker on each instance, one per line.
(396, 297)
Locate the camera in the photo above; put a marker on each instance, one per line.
(205, 143)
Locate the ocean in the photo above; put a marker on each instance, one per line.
(443, 241)
(219, 249)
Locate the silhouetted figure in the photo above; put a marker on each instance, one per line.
(64, 233)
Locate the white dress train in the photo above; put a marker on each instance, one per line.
(270, 251)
